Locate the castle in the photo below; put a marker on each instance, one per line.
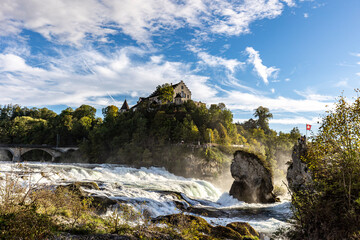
(181, 94)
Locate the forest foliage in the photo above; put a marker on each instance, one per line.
(137, 133)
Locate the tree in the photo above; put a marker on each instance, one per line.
(295, 133)
(329, 208)
(110, 113)
(166, 92)
(264, 115)
(85, 111)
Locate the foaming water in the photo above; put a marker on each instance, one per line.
(151, 189)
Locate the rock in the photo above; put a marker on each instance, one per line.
(76, 187)
(102, 203)
(68, 236)
(253, 181)
(195, 224)
(225, 233)
(183, 220)
(297, 174)
(243, 228)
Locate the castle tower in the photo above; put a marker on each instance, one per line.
(125, 107)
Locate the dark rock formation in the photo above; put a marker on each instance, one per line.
(253, 181)
(236, 230)
(77, 188)
(297, 173)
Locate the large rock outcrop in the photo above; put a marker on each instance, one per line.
(297, 174)
(253, 181)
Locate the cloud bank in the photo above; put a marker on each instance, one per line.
(72, 22)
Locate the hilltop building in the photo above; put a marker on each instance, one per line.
(181, 94)
(125, 107)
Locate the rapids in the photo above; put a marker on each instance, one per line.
(145, 189)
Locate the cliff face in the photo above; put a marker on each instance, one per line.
(297, 174)
(253, 181)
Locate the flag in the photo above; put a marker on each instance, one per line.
(308, 127)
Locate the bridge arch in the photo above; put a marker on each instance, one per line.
(6, 155)
(37, 154)
(17, 150)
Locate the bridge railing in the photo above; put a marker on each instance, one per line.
(33, 146)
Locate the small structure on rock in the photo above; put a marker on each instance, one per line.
(297, 174)
(253, 181)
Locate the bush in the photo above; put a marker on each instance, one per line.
(25, 223)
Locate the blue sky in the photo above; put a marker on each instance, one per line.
(292, 56)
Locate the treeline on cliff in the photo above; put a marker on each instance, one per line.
(124, 136)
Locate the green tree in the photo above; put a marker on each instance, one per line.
(263, 114)
(166, 92)
(84, 111)
(110, 114)
(329, 208)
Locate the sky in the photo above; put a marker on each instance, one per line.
(294, 57)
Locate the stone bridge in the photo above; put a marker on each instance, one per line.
(17, 150)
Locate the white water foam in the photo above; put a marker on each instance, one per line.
(144, 189)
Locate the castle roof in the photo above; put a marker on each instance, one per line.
(125, 106)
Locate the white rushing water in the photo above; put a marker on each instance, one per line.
(144, 189)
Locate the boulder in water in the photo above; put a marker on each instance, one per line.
(253, 181)
(297, 173)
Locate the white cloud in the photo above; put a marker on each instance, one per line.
(312, 95)
(290, 3)
(263, 71)
(272, 90)
(214, 61)
(296, 120)
(234, 19)
(306, 15)
(71, 22)
(248, 102)
(89, 77)
(14, 63)
(342, 83)
(358, 73)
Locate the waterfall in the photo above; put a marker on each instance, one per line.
(150, 189)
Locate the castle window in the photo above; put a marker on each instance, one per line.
(182, 87)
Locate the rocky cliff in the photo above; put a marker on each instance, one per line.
(297, 174)
(253, 181)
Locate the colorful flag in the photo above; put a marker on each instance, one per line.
(308, 127)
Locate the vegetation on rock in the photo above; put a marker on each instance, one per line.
(329, 206)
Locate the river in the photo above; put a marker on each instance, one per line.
(149, 189)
